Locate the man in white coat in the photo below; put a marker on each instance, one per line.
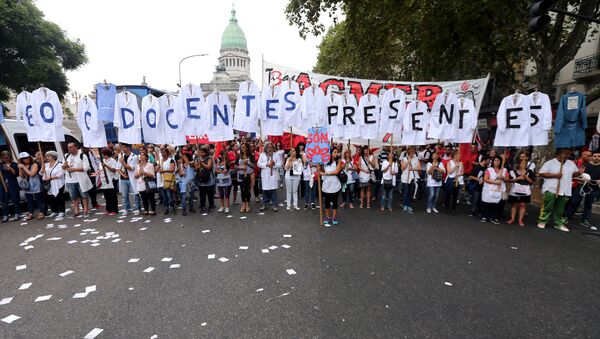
(269, 165)
(77, 180)
(128, 161)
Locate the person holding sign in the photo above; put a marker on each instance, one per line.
(293, 172)
(556, 190)
(269, 164)
(331, 187)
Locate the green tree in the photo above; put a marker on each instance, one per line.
(34, 51)
(442, 39)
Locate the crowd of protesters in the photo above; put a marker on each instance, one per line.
(194, 178)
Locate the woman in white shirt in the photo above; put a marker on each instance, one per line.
(410, 175)
(223, 170)
(366, 167)
(455, 171)
(166, 179)
(146, 183)
(493, 187)
(389, 168)
(293, 172)
(351, 171)
(310, 185)
(54, 178)
(109, 179)
(331, 188)
(435, 174)
(269, 164)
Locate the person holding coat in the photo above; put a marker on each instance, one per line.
(269, 164)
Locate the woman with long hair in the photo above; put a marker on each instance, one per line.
(351, 171)
(222, 168)
(205, 179)
(28, 171)
(269, 164)
(54, 177)
(293, 172)
(146, 181)
(366, 167)
(493, 187)
(331, 188)
(389, 169)
(186, 173)
(410, 174)
(245, 170)
(455, 171)
(519, 196)
(166, 170)
(10, 172)
(110, 181)
(435, 172)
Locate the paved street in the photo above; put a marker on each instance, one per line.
(374, 275)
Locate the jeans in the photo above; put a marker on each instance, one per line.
(245, 188)
(348, 195)
(587, 204)
(167, 198)
(574, 202)
(406, 195)
(432, 196)
(149, 201)
(450, 194)
(310, 194)
(33, 200)
(270, 196)
(13, 196)
(125, 190)
(291, 190)
(386, 197)
(475, 202)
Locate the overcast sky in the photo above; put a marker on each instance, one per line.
(127, 39)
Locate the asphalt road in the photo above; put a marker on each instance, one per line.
(377, 274)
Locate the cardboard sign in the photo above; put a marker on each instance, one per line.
(317, 147)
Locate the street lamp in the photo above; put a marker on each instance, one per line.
(187, 57)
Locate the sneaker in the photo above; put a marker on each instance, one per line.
(334, 221)
(296, 208)
(562, 228)
(405, 209)
(313, 206)
(342, 205)
(226, 210)
(495, 221)
(52, 215)
(262, 208)
(593, 228)
(483, 220)
(125, 212)
(289, 207)
(61, 215)
(112, 213)
(410, 209)
(540, 225)
(274, 208)
(326, 222)
(184, 213)
(305, 206)
(257, 200)
(435, 210)
(585, 223)
(136, 212)
(221, 210)
(4, 219)
(429, 211)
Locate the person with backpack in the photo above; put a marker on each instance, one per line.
(205, 179)
(77, 180)
(31, 183)
(331, 187)
(435, 176)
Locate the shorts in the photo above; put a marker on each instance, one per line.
(519, 198)
(224, 191)
(75, 192)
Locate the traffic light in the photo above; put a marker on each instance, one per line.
(537, 13)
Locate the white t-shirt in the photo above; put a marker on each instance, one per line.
(550, 184)
(410, 172)
(331, 183)
(365, 165)
(349, 168)
(391, 172)
(295, 170)
(430, 181)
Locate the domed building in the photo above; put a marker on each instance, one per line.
(234, 61)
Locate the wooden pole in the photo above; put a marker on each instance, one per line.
(291, 137)
(320, 199)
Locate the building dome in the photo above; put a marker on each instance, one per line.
(233, 36)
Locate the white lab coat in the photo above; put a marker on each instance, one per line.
(246, 109)
(513, 136)
(270, 179)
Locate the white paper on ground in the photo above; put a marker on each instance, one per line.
(94, 245)
(80, 295)
(93, 333)
(21, 267)
(230, 216)
(175, 266)
(149, 269)
(28, 247)
(244, 217)
(261, 213)
(260, 290)
(205, 231)
(10, 318)
(264, 250)
(286, 246)
(203, 324)
(287, 235)
(290, 271)
(25, 286)
(70, 242)
(272, 247)
(166, 259)
(90, 289)
(143, 228)
(447, 283)
(116, 240)
(76, 225)
(6, 300)
(133, 260)
(223, 259)
(64, 274)
(42, 298)
(211, 256)
(243, 247)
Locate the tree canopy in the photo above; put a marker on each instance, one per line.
(442, 39)
(34, 51)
